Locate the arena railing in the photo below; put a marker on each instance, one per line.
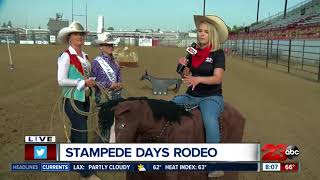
(297, 57)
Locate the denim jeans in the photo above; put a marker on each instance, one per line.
(78, 122)
(211, 108)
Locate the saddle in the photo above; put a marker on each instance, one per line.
(231, 122)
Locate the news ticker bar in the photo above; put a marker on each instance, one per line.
(133, 167)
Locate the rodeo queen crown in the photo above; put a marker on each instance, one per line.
(73, 72)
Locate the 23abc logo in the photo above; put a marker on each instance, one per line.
(279, 152)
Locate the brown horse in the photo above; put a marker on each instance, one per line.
(141, 120)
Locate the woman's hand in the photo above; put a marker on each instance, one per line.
(183, 61)
(113, 86)
(116, 86)
(119, 86)
(191, 81)
(186, 70)
(90, 82)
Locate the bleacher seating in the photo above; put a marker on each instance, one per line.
(302, 21)
(311, 9)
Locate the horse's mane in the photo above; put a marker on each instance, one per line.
(160, 109)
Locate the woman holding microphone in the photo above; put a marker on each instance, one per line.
(203, 75)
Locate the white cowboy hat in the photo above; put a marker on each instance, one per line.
(64, 32)
(105, 38)
(217, 22)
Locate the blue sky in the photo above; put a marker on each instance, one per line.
(133, 14)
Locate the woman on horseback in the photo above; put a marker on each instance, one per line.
(203, 74)
(105, 68)
(73, 72)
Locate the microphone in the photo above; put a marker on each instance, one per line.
(190, 52)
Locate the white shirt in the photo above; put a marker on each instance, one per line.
(63, 69)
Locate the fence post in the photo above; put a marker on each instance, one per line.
(319, 69)
(289, 56)
(242, 49)
(253, 43)
(233, 44)
(260, 48)
(302, 63)
(267, 53)
(278, 51)
(271, 48)
(236, 46)
(248, 48)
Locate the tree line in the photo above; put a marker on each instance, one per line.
(7, 25)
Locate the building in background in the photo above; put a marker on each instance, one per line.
(57, 23)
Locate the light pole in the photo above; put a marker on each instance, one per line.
(204, 7)
(80, 15)
(72, 12)
(258, 10)
(285, 9)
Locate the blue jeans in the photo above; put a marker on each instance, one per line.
(78, 122)
(211, 108)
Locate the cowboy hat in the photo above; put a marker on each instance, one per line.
(105, 38)
(217, 22)
(64, 32)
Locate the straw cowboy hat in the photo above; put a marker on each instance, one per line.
(217, 22)
(105, 38)
(64, 32)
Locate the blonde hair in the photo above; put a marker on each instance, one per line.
(214, 40)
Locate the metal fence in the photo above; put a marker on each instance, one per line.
(299, 57)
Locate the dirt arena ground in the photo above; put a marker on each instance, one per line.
(279, 108)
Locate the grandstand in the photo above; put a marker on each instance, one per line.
(302, 22)
(304, 13)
